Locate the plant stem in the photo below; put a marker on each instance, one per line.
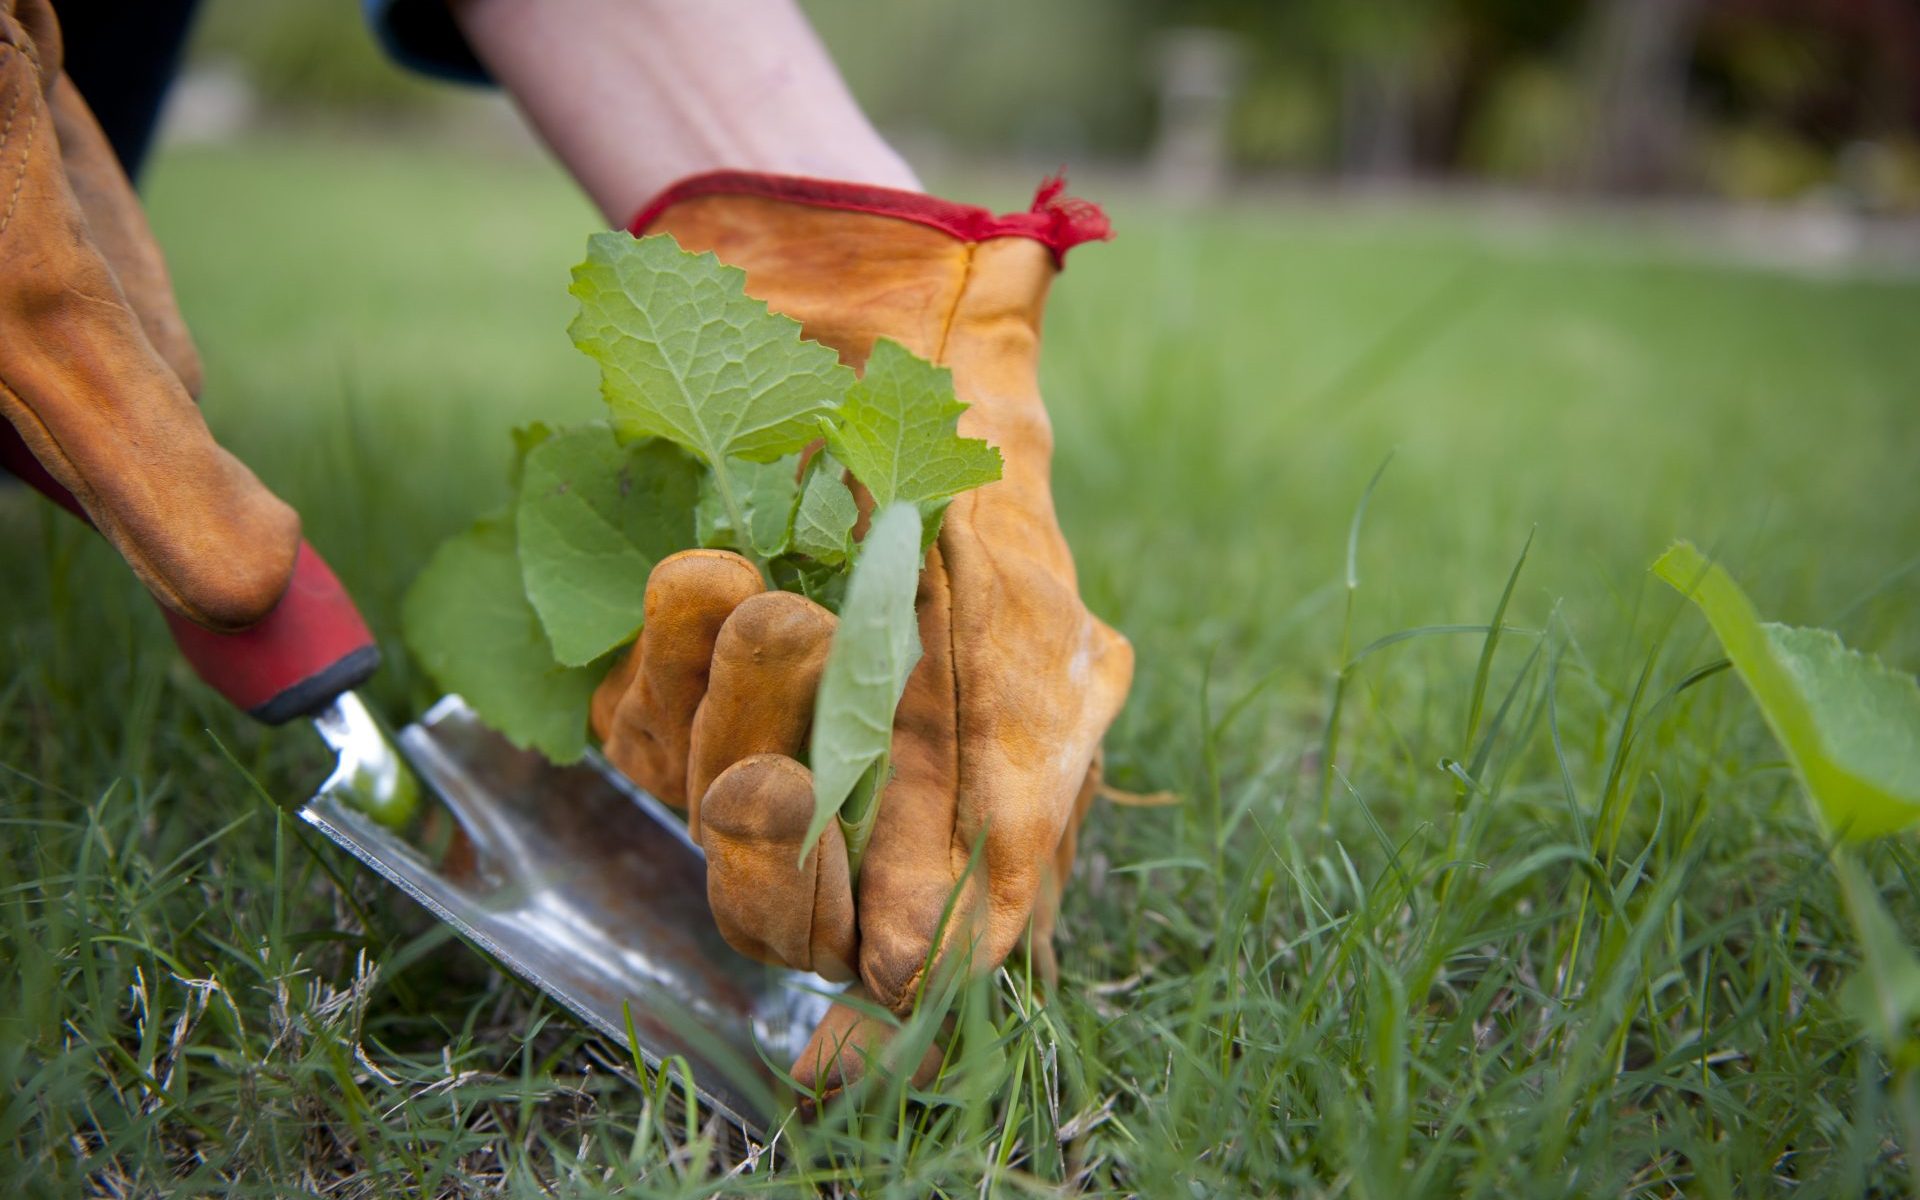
(857, 814)
(743, 533)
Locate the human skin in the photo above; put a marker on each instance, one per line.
(633, 95)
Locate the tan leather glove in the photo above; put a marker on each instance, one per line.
(996, 737)
(97, 372)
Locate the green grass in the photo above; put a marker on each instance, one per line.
(1549, 921)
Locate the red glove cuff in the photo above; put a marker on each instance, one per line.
(1057, 221)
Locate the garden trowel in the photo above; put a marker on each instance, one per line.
(570, 876)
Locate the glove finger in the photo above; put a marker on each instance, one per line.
(767, 907)
(848, 1043)
(643, 711)
(759, 700)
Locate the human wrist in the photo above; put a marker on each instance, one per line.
(626, 94)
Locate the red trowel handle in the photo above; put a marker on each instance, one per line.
(309, 649)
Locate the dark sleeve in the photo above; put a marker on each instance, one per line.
(122, 55)
(421, 35)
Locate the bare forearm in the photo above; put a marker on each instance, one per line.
(634, 94)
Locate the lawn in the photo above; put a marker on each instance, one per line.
(1558, 927)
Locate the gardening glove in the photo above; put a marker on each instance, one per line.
(97, 372)
(995, 740)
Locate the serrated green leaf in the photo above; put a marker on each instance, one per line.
(773, 491)
(932, 513)
(874, 650)
(685, 354)
(896, 433)
(712, 527)
(823, 525)
(593, 517)
(1867, 712)
(467, 619)
(770, 493)
(1849, 723)
(824, 585)
(525, 438)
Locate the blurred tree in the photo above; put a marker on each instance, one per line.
(1800, 96)
(1763, 98)
(1835, 70)
(1375, 59)
(1515, 110)
(1199, 73)
(308, 55)
(1384, 55)
(1384, 89)
(1051, 82)
(1525, 125)
(1638, 54)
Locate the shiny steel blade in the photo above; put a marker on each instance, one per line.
(579, 882)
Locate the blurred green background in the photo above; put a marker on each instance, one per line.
(1746, 99)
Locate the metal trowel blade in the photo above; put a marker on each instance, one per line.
(580, 883)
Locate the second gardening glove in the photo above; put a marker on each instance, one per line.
(996, 739)
(97, 373)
